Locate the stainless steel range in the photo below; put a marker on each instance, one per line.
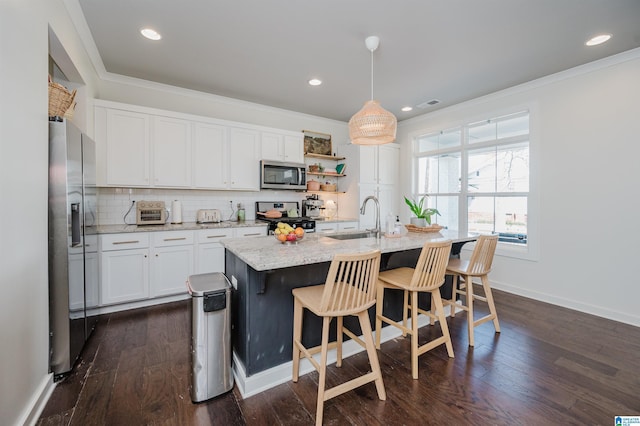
(289, 210)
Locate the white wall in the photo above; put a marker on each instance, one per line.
(585, 135)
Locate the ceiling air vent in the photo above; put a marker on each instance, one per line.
(428, 104)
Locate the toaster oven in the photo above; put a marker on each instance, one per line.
(151, 213)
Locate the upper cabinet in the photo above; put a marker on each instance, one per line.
(144, 147)
(171, 152)
(124, 143)
(282, 147)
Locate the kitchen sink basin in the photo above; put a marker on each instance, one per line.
(352, 236)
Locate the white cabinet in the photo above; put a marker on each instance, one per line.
(325, 228)
(209, 156)
(379, 164)
(282, 147)
(171, 262)
(124, 145)
(171, 152)
(348, 226)
(210, 255)
(243, 161)
(124, 268)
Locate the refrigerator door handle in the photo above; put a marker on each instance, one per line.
(75, 225)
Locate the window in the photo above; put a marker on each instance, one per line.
(477, 176)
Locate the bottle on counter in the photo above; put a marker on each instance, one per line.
(241, 212)
(390, 225)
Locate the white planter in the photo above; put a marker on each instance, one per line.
(419, 221)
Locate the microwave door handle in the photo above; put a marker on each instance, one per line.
(301, 178)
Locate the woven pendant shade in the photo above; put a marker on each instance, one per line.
(372, 125)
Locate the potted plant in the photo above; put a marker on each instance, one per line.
(423, 214)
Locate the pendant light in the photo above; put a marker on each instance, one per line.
(372, 125)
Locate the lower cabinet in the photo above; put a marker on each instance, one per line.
(171, 262)
(147, 265)
(124, 268)
(328, 227)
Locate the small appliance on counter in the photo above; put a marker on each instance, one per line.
(311, 206)
(151, 213)
(274, 212)
(209, 216)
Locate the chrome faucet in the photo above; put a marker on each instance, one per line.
(362, 211)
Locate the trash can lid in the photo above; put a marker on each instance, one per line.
(201, 284)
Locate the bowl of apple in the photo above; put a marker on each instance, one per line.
(287, 234)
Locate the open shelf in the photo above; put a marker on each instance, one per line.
(324, 157)
(326, 174)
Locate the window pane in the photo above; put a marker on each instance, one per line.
(481, 216)
(448, 208)
(512, 168)
(444, 139)
(482, 131)
(481, 173)
(516, 126)
(511, 219)
(440, 173)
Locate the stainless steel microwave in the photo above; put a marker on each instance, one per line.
(281, 175)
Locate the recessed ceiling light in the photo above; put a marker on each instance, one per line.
(599, 39)
(407, 109)
(315, 82)
(150, 34)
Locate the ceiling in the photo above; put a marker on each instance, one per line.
(266, 51)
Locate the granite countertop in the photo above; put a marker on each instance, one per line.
(264, 253)
(185, 226)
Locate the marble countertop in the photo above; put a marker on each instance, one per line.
(185, 226)
(264, 253)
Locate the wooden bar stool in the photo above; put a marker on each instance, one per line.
(427, 276)
(479, 265)
(350, 289)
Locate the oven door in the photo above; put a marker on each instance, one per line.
(280, 175)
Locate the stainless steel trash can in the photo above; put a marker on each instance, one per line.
(211, 373)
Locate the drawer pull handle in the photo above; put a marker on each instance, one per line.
(251, 235)
(216, 236)
(175, 239)
(125, 242)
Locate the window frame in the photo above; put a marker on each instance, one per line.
(529, 251)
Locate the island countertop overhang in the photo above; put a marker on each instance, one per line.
(266, 253)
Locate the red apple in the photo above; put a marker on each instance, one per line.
(291, 237)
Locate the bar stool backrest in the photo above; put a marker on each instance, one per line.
(432, 264)
(351, 283)
(482, 256)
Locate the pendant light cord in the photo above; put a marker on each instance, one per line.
(371, 74)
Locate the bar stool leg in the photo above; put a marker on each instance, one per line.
(436, 301)
(379, 305)
(339, 338)
(297, 337)
(326, 321)
(365, 326)
(414, 334)
(492, 307)
(469, 303)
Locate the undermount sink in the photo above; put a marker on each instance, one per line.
(352, 236)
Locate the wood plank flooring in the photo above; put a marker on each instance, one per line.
(549, 366)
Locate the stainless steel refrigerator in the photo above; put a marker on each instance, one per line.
(73, 243)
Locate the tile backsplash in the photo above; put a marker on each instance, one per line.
(113, 203)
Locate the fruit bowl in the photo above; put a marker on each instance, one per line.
(286, 234)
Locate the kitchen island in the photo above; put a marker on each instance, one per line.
(263, 272)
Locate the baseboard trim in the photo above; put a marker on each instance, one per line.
(259, 382)
(38, 401)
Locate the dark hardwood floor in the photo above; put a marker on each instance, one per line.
(549, 366)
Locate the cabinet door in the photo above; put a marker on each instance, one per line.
(368, 164)
(170, 268)
(293, 149)
(171, 152)
(125, 276)
(388, 164)
(210, 258)
(209, 156)
(127, 148)
(243, 159)
(272, 146)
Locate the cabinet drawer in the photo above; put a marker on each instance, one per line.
(172, 238)
(135, 240)
(326, 227)
(251, 231)
(213, 235)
